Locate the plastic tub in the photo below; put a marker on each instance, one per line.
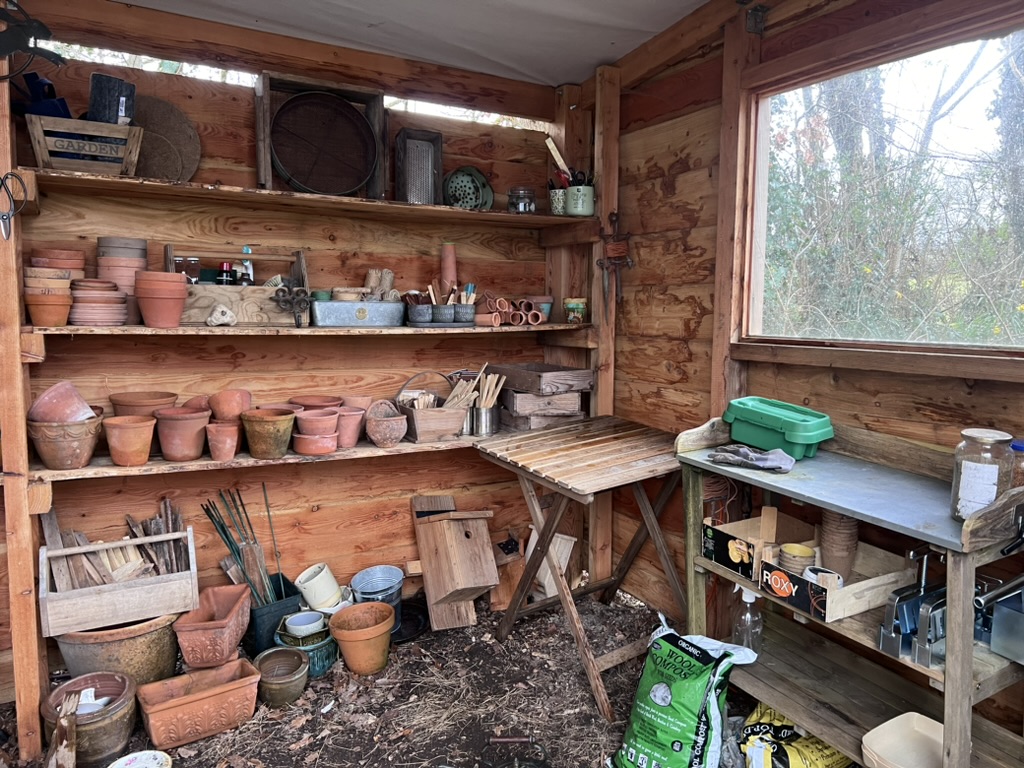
(770, 424)
(381, 584)
(908, 741)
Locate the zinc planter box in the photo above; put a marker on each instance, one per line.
(186, 708)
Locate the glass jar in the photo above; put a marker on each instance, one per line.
(192, 269)
(522, 200)
(982, 469)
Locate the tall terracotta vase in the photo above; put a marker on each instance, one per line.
(449, 269)
(129, 439)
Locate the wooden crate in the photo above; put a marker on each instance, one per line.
(429, 425)
(526, 404)
(119, 603)
(83, 145)
(544, 378)
(273, 89)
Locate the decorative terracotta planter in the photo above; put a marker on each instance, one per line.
(182, 432)
(316, 401)
(129, 439)
(67, 445)
(161, 312)
(283, 675)
(350, 425)
(190, 707)
(145, 650)
(228, 404)
(60, 403)
(317, 422)
(223, 439)
(268, 431)
(103, 735)
(387, 432)
(209, 635)
(363, 632)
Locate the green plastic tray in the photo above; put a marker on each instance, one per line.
(770, 424)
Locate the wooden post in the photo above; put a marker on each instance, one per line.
(958, 695)
(696, 583)
(28, 654)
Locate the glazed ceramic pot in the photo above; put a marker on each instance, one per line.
(101, 735)
(228, 404)
(268, 431)
(317, 422)
(350, 425)
(182, 432)
(129, 439)
(223, 438)
(143, 650)
(283, 675)
(363, 632)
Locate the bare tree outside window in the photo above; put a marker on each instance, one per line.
(893, 207)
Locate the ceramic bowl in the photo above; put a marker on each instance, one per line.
(305, 623)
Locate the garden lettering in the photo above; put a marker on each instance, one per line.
(86, 147)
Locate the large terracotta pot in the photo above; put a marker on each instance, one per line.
(268, 431)
(129, 439)
(182, 432)
(363, 632)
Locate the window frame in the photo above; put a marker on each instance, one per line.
(754, 81)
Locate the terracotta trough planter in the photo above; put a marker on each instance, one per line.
(209, 635)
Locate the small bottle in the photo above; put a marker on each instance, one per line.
(748, 626)
(226, 275)
(982, 469)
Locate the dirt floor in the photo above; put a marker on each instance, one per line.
(439, 700)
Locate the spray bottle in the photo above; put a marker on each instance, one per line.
(748, 626)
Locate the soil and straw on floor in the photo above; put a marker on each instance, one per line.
(439, 700)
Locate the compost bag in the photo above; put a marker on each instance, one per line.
(676, 721)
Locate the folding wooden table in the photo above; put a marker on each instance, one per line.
(578, 461)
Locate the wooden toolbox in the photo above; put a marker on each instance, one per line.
(116, 603)
(84, 145)
(544, 378)
(428, 425)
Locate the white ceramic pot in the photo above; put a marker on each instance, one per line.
(318, 586)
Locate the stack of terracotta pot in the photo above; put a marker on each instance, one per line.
(224, 432)
(161, 297)
(50, 258)
(97, 302)
(47, 295)
(119, 259)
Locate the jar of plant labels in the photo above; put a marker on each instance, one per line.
(982, 469)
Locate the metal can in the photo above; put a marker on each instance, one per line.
(982, 469)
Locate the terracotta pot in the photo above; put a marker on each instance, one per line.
(161, 312)
(200, 402)
(350, 425)
(103, 735)
(358, 401)
(281, 407)
(48, 315)
(65, 254)
(129, 439)
(316, 401)
(268, 431)
(159, 291)
(314, 445)
(317, 422)
(144, 650)
(363, 632)
(182, 432)
(386, 432)
(209, 635)
(228, 404)
(141, 403)
(159, 277)
(223, 439)
(68, 445)
(283, 675)
(60, 403)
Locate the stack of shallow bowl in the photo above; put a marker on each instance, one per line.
(49, 258)
(119, 259)
(47, 295)
(161, 297)
(97, 302)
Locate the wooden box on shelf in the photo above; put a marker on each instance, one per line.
(118, 602)
(739, 546)
(83, 145)
(544, 378)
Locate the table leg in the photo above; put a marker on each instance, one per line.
(640, 538)
(959, 679)
(696, 582)
(667, 563)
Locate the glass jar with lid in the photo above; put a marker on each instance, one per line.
(982, 469)
(522, 200)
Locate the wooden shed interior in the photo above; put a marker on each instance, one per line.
(666, 130)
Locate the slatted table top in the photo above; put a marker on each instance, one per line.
(586, 457)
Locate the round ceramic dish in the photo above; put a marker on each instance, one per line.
(304, 623)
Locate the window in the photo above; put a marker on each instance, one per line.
(889, 205)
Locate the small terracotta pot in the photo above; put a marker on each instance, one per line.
(350, 425)
(228, 404)
(317, 422)
(223, 439)
(48, 315)
(141, 403)
(363, 632)
(159, 277)
(199, 402)
(60, 403)
(268, 431)
(358, 401)
(182, 432)
(161, 312)
(314, 445)
(129, 439)
(316, 401)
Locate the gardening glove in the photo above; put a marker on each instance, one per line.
(776, 460)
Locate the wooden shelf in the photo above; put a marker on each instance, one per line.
(991, 672)
(202, 330)
(76, 183)
(102, 466)
(839, 695)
